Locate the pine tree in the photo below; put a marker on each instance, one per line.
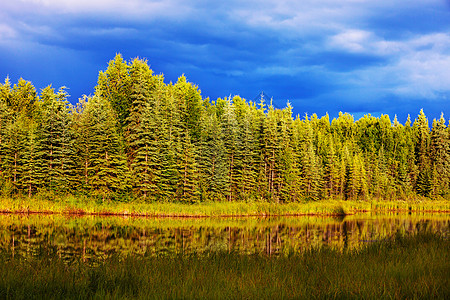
(5, 120)
(260, 125)
(356, 184)
(170, 133)
(331, 169)
(105, 163)
(229, 127)
(143, 87)
(23, 98)
(189, 104)
(187, 189)
(289, 171)
(212, 162)
(422, 131)
(145, 166)
(114, 85)
(14, 151)
(311, 174)
(29, 178)
(440, 157)
(245, 174)
(54, 157)
(272, 145)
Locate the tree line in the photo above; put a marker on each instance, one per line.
(138, 137)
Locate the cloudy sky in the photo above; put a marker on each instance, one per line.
(355, 56)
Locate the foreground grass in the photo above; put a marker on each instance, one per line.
(405, 267)
(85, 205)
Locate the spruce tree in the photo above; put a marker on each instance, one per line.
(331, 168)
(212, 162)
(440, 157)
(422, 147)
(272, 146)
(5, 120)
(229, 127)
(245, 175)
(114, 85)
(16, 137)
(54, 157)
(143, 86)
(311, 173)
(106, 173)
(289, 171)
(187, 188)
(145, 166)
(189, 104)
(29, 179)
(23, 98)
(170, 133)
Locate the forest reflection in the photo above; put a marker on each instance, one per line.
(92, 238)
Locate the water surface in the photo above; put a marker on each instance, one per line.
(92, 237)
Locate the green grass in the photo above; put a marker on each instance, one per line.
(86, 205)
(405, 267)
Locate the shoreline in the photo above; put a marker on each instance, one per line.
(85, 207)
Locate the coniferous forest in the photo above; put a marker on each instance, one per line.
(138, 137)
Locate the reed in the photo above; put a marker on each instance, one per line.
(84, 205)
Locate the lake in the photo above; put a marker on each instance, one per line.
(90, 238)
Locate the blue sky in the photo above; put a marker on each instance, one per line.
(355, 56)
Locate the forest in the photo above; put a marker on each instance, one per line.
(140, 138)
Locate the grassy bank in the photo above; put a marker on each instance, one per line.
(406, 267)
(85, 205)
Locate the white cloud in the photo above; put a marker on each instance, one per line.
(415, 67)
(118, 8)
(424, 74)
(351, 40)
(6, 32)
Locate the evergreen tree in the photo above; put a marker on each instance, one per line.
(189, 104)
(272, 146)
(356, 184)
(147, 147)
(143, 88)
(212, 163)
(187, 188)
(114, 85)
(5, 120)
(170, 133)
(105, 163)
(331, 169)
(440, 157)
(311, 174)
(422, 132)
(16, 136)
(230, 129)
(29, 179)
(54, 143)
(245, 175)
(23, 98)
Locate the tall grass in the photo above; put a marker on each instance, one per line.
(85, 205)
(405, 267)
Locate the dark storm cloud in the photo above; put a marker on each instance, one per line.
(323, 56)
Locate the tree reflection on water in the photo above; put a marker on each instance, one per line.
(92, 238)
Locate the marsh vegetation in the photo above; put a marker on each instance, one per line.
(413, 266)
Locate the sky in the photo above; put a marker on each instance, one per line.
(323, 56)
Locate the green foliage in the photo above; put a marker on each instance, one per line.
(140, 137)
(54, 155)
(101, 147)
(114, 84)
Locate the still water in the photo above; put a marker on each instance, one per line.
(92, 238)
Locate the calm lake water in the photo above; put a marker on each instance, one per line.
(91, 238)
